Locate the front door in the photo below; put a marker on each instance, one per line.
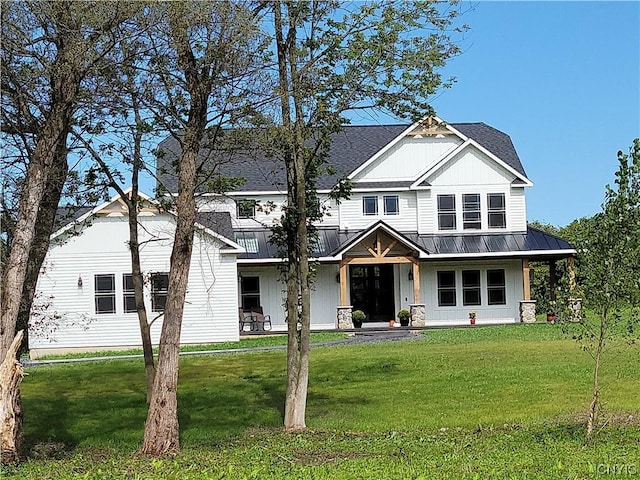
(372, 291)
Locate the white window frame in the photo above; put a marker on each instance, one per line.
(101, 294)
(364, 205)
(499, 211)
(395, 198)
(448, 213)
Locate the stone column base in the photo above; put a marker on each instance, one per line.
(344, 319)
(528, 311)
(418, 314)
(575, 309)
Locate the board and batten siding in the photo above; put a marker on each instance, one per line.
(210, 313)
(408, 158)
(459, 315)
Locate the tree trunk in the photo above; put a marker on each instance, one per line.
(138, 289)
(298, 293)
(161, 433)
(44, 226)
(592, 413)
(11, 374)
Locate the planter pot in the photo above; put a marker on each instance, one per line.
(551, 318)
(357, 323)
(472, 321)
(392, 323)
(404, 322)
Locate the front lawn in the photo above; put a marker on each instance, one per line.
(500, 402)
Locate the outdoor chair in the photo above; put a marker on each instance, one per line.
(260, 319)
(245, 319)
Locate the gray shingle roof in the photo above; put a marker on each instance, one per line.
(219, 222)
(349, 149)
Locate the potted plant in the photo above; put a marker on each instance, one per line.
(404, 316)
(358, 317)
(551, 315)
(472, 317)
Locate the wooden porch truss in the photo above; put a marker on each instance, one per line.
(379, 252)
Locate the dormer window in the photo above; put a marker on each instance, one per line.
(370, 205)
(248, 241)
(246, 208)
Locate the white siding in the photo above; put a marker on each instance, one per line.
(210, 313)
(517, 210)
(427, 214)
(352, 216)
(459, 315)
(325, 295)
(408, 158)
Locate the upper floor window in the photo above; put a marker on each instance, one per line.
(446, 212)
(159, 289)
(497, 214)
(471, 218)
(246, 208)
(370, 205)
(105, 293)
(391, 206)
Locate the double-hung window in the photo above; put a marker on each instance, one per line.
(159, 289)
(249, 292)
(446, 212)
(471, 287)
(391, 206)
(105, 293)
(128, 294)
(496, 287)
(471, 219)
(447, 288)
(497, 213)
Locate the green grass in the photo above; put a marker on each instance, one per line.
(491, 402)
(257, 341)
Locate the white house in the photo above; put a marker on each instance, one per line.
(87, 287)
(435, 224)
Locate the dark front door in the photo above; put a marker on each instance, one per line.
(372, 291)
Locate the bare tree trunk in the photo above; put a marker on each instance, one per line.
(11, 374)
(138, 289)
(161, 429)
(44, 226)
(298, 293)
(592, 414)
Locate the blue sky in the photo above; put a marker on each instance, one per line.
(563, 80)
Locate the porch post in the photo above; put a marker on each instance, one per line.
(343, 282)
(416, 280)
(552, 280)
(526, 280)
